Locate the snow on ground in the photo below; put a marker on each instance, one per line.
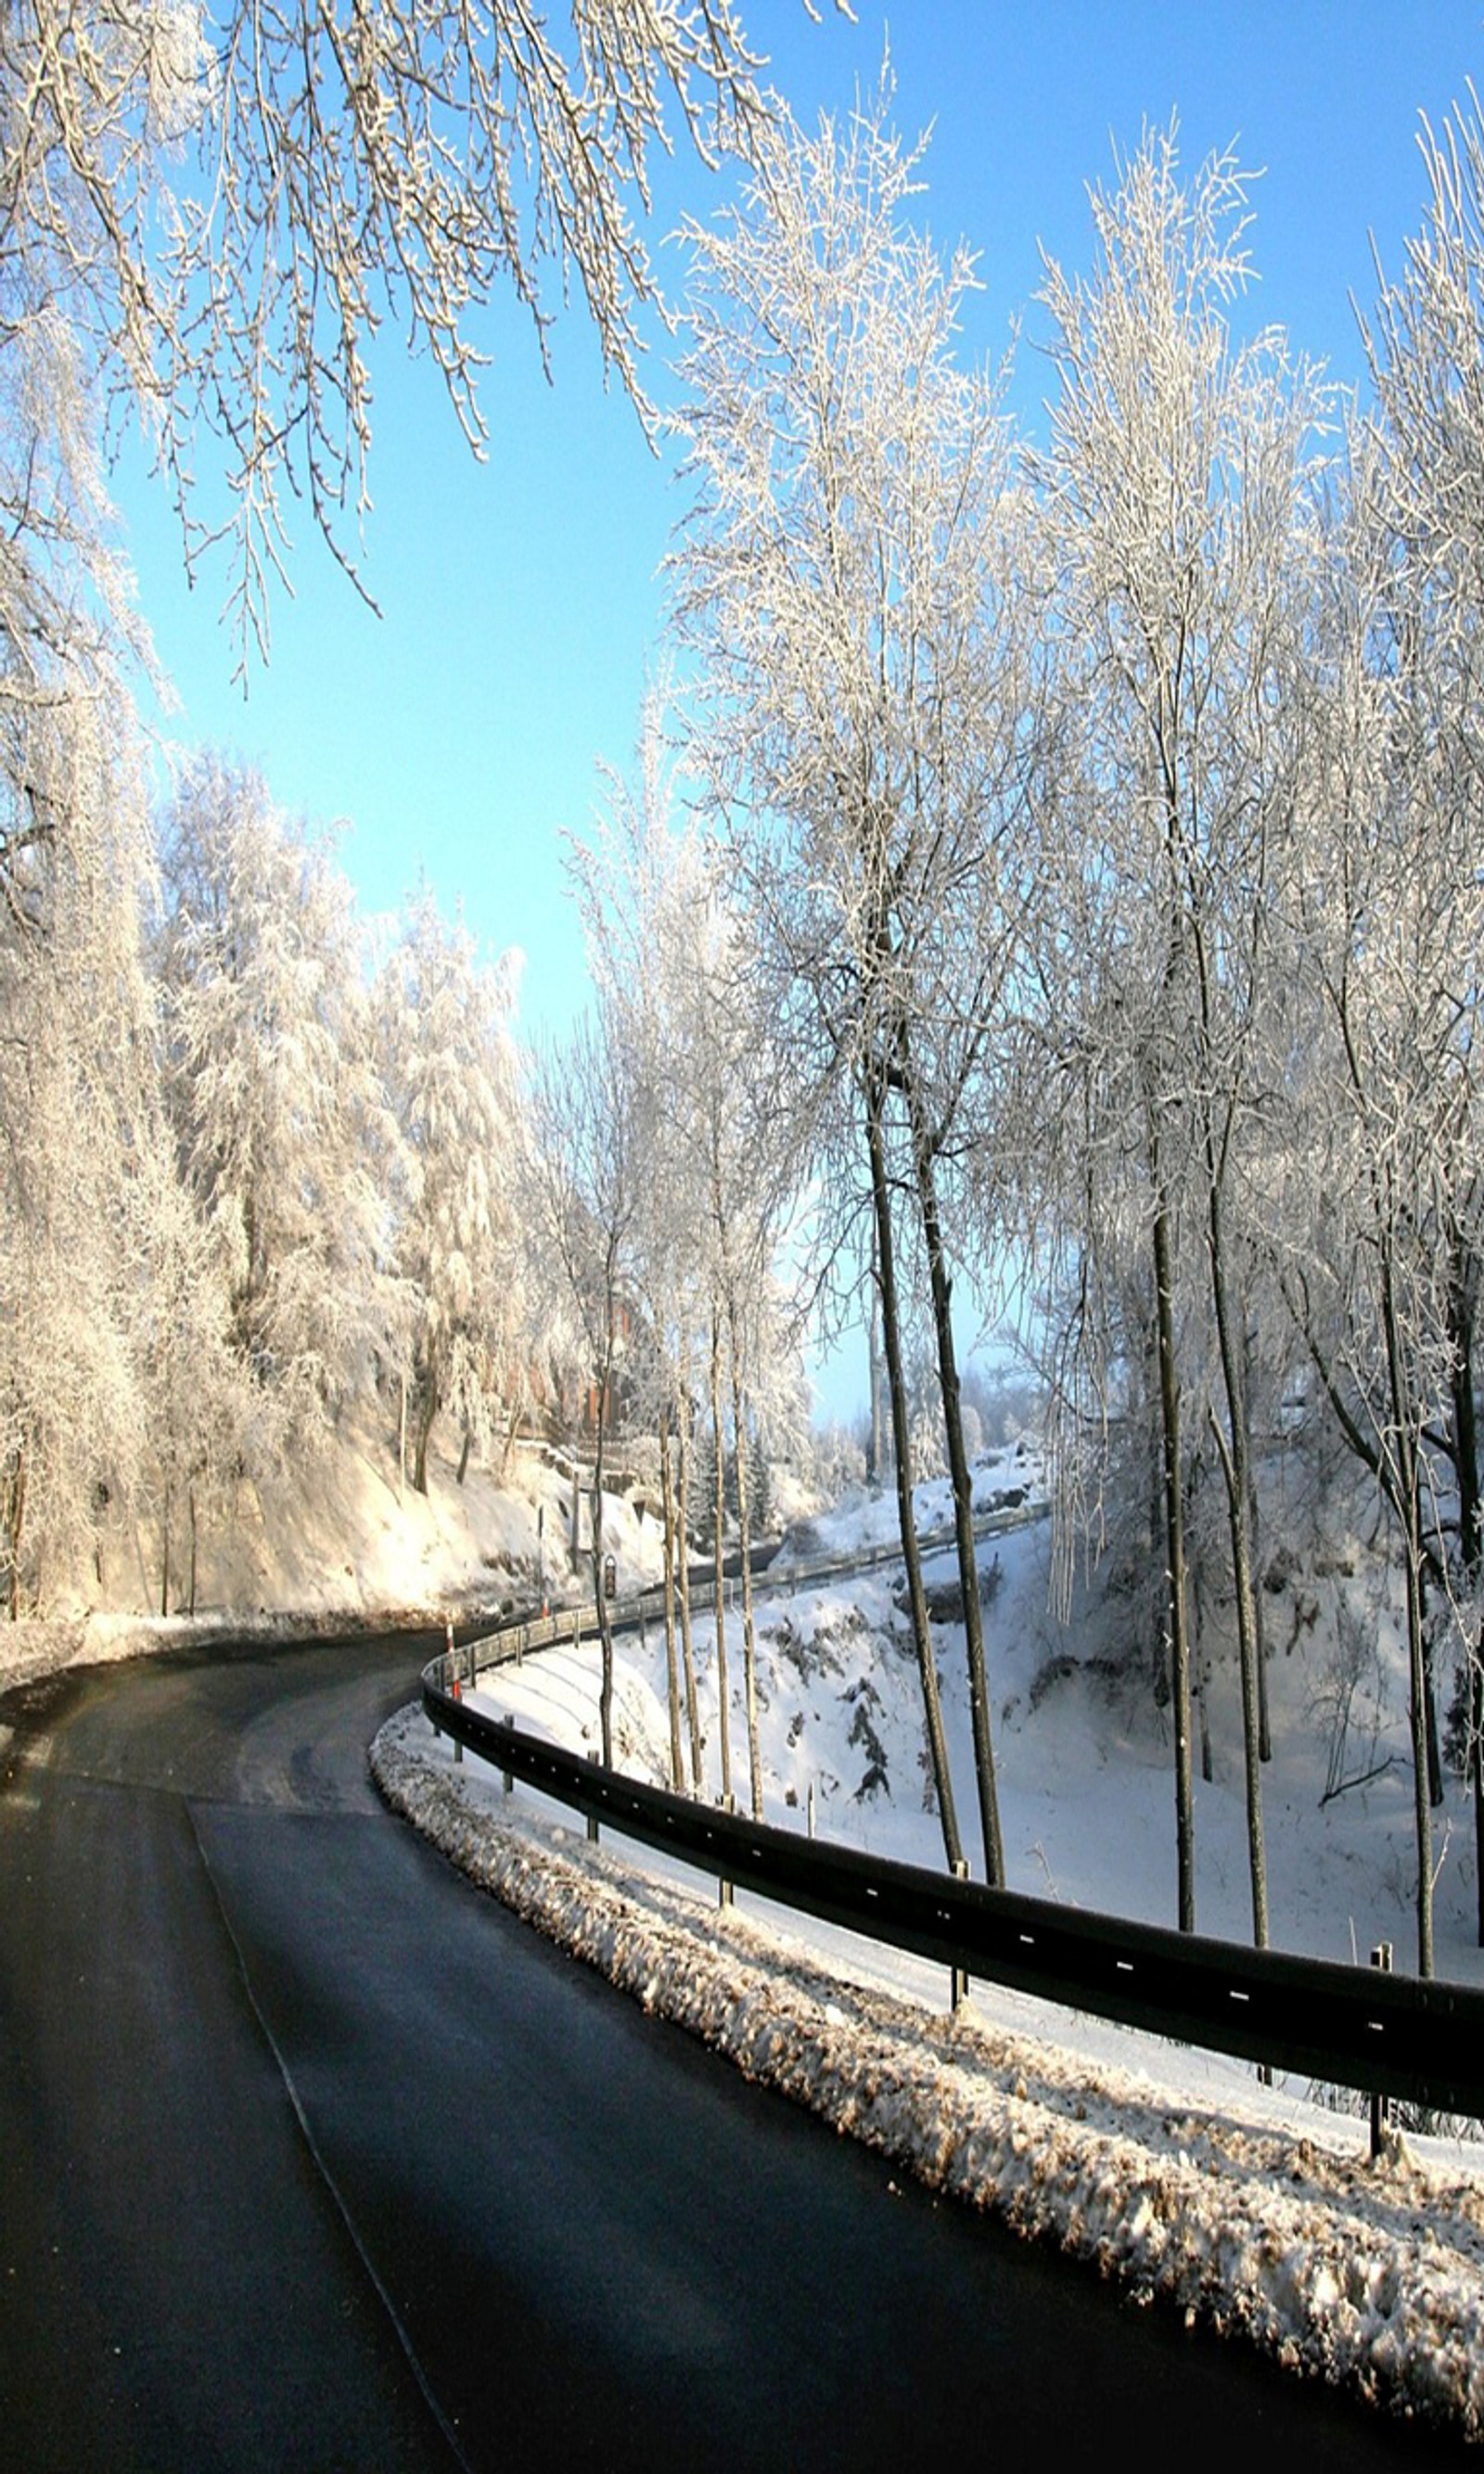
(1082, 1751)
(1256, 2211)
(349, 1540)
(1247, 2209)
(1251, 2209)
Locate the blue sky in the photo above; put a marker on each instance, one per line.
(460, 732)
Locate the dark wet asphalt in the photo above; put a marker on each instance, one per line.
(311, 2156)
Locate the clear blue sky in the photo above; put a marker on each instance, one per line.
(460, 731)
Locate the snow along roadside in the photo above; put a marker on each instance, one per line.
(1369, 2276)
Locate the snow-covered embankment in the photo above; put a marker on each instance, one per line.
(1369, 2276)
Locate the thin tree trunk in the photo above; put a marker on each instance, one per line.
(1177, 1621)
(718, 1557)
(16, 1515)
(427, 1413)
(1235, 1456)
(1434, 1747)
(1203, 1696)
(891, 1336)
(1465, 1440)
(672, 1677)
(962, 1492)
(744, 1533)
(1203, 1671)
(1237, 1473)
(686, 1641)
(1409, 1483)
(878, 1415)
(604, 1621)
(1254, 1532)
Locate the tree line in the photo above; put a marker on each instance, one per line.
(1104, 811)
(250, 1170)
(1071, 884)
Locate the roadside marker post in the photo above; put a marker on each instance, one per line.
(959, 1976)
(1381, 2105)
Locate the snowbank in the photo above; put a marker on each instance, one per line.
(1369, 2276)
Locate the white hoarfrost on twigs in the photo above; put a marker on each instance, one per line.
(1369, 2276)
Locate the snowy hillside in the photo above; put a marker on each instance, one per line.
(350, 1540)
(1248, 2209)
(1252, 2209)
(1082, 1744)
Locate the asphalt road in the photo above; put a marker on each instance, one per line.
(312, 2156)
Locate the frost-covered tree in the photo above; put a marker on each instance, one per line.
(583, 1187)
(838, 573)
(449, 1073)
(1384, 1154)
(1180, 508)
(77, 1105)
(271, 1088)
(705, 1082)
(1426, 475)
(636, 876)
(74, 863)
(223, 208)
(207, 1422)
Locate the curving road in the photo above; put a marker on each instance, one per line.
(310, 2155)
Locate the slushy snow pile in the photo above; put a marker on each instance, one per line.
(1369, 2275)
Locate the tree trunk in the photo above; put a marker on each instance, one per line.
(1235, 1457)
(427, 1411)
(1234, 1454)
(1464, 1415)
(671, 1678)
(1254, 1532)
(686, 1641)
(876, 1451)
(16, 1515)
(604, 1622)
(744, 1535)
(1408, 1480)
(1465, 1442)
(1200, 1649)
(1434, 1747)
(463, 1455)
(962, 1492)
(896, 1382)
(1177, 1623)
(718, 1557)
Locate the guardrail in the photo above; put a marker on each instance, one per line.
(503, 1641)
(1422, 2040)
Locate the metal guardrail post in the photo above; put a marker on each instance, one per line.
(958, 1978)
(726, 1894)
(1393, 2034)
(1381, 2105)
